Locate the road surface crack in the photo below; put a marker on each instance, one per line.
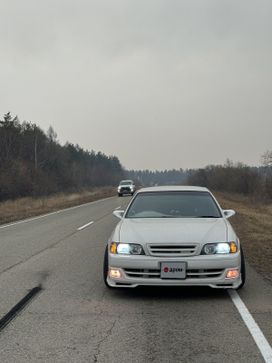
(101, 341)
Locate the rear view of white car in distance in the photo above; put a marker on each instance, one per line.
(174, 235)
(126, 187)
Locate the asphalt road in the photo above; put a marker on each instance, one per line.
(75, 318)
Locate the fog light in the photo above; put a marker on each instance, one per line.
(114, 273)
(232, 274)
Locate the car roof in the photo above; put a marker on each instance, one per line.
(173, 188)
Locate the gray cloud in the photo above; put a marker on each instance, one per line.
(161, 84)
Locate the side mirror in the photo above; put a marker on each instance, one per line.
(118, 213)
(228, 213)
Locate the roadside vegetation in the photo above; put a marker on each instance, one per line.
(33, 163)
(22, 208)
(255, 182)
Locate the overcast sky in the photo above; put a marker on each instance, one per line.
(158, 83)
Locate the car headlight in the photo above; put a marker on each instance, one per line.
(219, 248)
(126, 249)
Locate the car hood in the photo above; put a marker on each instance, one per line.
(176, 230)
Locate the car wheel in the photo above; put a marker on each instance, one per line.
(106, 267)
(120, 194)
(243, 269)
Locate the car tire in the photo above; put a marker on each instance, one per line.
(243, 270)
(120, 194)
(106, 267)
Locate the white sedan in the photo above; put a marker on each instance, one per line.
(176, 236)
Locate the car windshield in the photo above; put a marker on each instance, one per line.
(188, 204)
(125, 182)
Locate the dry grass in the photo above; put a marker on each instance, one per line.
(253, 224)
(22, 208)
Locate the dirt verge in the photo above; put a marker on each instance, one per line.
(253, 224)
(13, 210)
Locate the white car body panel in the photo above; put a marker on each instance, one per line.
(147, 230)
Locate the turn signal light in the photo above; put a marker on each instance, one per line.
(113, 248)
(233, 247)
(232, 274)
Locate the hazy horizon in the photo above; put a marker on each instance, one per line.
(159, 84)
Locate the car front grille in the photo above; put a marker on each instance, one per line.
(172, 250)
(125, 189)
(204, 273)
(190, 273)
(142, 273)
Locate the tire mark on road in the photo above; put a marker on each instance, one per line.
(11, 315)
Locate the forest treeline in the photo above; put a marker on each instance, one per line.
(34, 163)
(237, 178)
(230, 177)
(165, 177)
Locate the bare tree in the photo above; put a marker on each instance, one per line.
(51, 134)
(267, 158)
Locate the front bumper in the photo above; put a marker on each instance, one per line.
(201, 271)
(125, 190)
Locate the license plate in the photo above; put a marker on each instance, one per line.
(173, 270)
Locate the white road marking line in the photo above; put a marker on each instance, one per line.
(52, 213)
(85, 226)
(252, 326)
(28, 220)
(117, 208)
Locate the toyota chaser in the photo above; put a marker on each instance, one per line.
(174, 236)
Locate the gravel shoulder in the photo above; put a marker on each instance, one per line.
(253, 224)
